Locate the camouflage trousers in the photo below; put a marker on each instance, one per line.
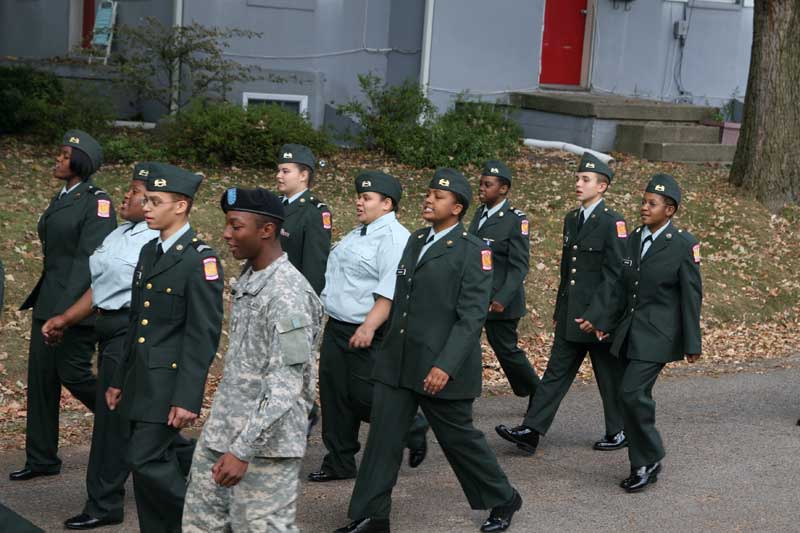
(264, 500)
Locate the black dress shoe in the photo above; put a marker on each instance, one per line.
(26, 473)
(611, 442)
(366, 525)
(417, 455)
(641, 477)
(524, 437)
(500, 517)
(85, 521)
(321, 476)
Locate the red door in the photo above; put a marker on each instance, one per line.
(562, 42)
(87, 26)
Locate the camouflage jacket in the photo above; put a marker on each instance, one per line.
(269, 383)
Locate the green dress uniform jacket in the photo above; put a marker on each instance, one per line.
(449, 288)
(175, 325)
(662, 294)
(306, 237)
(70, 229)
(506, 233)
(591, 263)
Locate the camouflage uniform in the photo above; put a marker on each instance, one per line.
(261, 407)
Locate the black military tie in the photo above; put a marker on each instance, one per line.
(363, 230)
(285, 201)
(648, 239)
(581, 220)
(159, 251)
(430, 240)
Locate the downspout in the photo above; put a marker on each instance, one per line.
(175, 93)
(427, 38)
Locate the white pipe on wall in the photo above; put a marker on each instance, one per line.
(567, 147)
(427, 38)
(176, 68)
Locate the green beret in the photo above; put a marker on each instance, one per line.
(450, 179)
(590, 163)
(297, 153)
(168, 178)
(665, 185)
(493, 167)
(258, 200)
(141, 171)
(80, 140)
(377, 181)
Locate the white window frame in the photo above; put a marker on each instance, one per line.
(301, 99)
(716, 4)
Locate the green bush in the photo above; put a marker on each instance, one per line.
(131, 147)
(18, 87)
(221, 133)
(401, 122)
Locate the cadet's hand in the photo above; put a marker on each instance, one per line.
(435, 381)
(585, 325)
(362, 338)
(53, 330)
(229, 470)
(113, 395)
(496, 307)
(180, 417)
(601, 335)
(692, 358)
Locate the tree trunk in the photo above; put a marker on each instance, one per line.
(767, 160)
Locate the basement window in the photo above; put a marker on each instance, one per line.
(293, 102)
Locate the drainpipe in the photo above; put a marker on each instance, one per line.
(427, 37)
(175, 93)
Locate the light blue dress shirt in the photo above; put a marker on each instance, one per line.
(113, 262)
(491, 212)
(294, 197)
(646, 231)
(587, 211)
(166, 245)
(363, 267)
(436, 237)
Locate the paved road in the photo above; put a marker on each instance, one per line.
(732, 465)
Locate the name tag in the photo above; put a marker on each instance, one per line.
(401, 271)
(627, 262)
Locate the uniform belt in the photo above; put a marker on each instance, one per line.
(342, 322)
(111, 312)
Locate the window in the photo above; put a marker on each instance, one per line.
(717, 4)
(294, 102)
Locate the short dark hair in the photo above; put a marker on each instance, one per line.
(671, 201)
(301, 167)
(504, 181)
(461, 199)
(602, 178)
(80, 164)
(262, 220)
(189, 201)
(395, 204)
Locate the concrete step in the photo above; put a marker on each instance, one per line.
(609, 107)
(689, 152)
(631, 137)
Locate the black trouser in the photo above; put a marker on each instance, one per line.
(565, 361)
(345, 390)
(107, 470)
(159, 458)
(70, 364)
(502, 337)
(483, 481)
(645, 446)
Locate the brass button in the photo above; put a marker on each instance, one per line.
(145, 321)
(402, 331)
(405, 314)
(146, 303)
(574, 270)
(169, 290)
(632, 309)
(590, 249)
(574, 246)
(148, 286)
(141, 340)
(174, 365)
(572, 282)
(574, 259)
(635, 282)
(634, 296)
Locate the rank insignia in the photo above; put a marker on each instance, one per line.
(284, 233)
(524, 226)
(366, 183)
(210, 269)
(622, 230)
(444, 183)
(660, 188)
(326, 220)
(494, 170)
(161, 182)
(74, 140)
(486, 259)
(103, 208)
(696, 253)
(590, 165)
(287, 155)
(144, 172)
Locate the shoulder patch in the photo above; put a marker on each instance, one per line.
(327, 223)
(696, 253)
(486, 260)
(524, 226)
(622, 230)
(210, 269)
(103, 208)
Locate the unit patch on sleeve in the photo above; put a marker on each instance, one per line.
(210, 269)
(326, 220)
(696, 253)
(622, 230)
(486, 259)
(524, 226)
(103, 208)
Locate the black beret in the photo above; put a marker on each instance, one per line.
(377, 181)
(665, 185)
(80, 140)
(590, 163)
(163, 177)
(297, 153)
(450, 179)
(141, 171)
(493, 167)
(258, 200)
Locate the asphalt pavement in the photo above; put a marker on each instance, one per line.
(733, 464)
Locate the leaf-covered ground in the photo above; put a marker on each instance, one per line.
(751, 259)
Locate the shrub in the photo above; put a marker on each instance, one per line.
(130, 147)
(19, 86)
(401, 122)
(222, 133)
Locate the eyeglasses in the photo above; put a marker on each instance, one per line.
(155, 202)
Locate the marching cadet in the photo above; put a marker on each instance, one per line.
(662, 292)
(431, 358)
(591, 263)
(246, 467)
(505, 230)
(73, 225)
(109, 298)
(175, 324)
(306, 232)
(359, 286)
